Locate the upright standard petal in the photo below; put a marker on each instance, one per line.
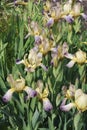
(11, 80)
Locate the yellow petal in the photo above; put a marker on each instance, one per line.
(81, 102)
(11, 80)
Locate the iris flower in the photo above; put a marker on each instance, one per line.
(43, 95)
(80, 102)
(45, 45)
(58, 53)
(69, 93)
(17, 85)
(47, 6)
(79, 57)
(53, 13)
(34, 30)
(32, 61)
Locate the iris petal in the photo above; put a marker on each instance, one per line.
(47, 104)
(7, 97)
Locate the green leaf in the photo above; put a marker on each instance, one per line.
(51, 126)
(43, 129)
(78, 121)
(35, 118)
(2, 84)
(2, 46)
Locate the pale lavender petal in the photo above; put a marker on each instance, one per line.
(7, 97)
(69, 18)
(84, 16)
(70, 64)
(69, 56)
(19, 61)
(37, 39)
(67, 107)
(31, 92)
(63, 102)
(65, 48)
(80, 0)
(54, 50)
(44, 67)
(35, 48)
(29, 69)
(15, 2)
(39, 55)
(50, 22)
(47, 106)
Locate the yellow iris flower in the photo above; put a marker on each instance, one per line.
(58, 53)
(79, 57)
(32, 61)
(17, 85)
(80, 102)
(43, 94)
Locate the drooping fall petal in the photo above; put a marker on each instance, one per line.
(47, 104)
(7, 97)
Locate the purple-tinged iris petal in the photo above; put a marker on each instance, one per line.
(69, 56)
(37, 39)
(65, 48)
(30, 69)
(7, 97)
(67, 107)
(47, 105)
(63, 102)
(69, 18)
(70, 64)
(31, 93)
(19, 61)
(80, 0)
(44, 67)
(15, 1)
(50, 22)
(54, 50)
(84, 16)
